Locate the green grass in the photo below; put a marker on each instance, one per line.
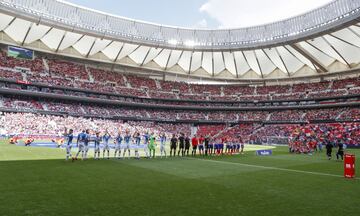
(37, 181)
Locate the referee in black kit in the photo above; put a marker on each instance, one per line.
(173, 145)
(181, 144)
(207, 141)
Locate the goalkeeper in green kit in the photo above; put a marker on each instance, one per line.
(152, 144)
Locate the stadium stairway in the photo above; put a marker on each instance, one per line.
(91, 78)
(340, 114)
(303, 116)
(46, 65)
(268, 117)
(157, 83)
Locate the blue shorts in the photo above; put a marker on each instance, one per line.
(229, 146)
(216, 146)
(211, 146)
(201, 147)
(221, 146)
(238, 146)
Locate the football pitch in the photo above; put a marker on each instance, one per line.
(38, 181)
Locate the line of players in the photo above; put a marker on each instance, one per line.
(179, 145)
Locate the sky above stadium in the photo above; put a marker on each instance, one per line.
(204, 13)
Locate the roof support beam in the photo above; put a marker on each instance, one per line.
(26, 35)
(347, 42)
(318, 49)
(134, 50)
(337, 52)
(315, 68)
(147, 54)
(202, 59)
(212, 64)
(191, 59)
(9, 24)
(177, 61)
(62, 39)
(309, 56)
(162, 50)
(109, 45)
(117, 55)
(236, 68)
(282, 61)
(57, 49)
(258, 63)
(168, 60)
(92, 46)
(223, 58)
(243, 55)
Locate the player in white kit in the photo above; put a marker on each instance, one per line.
(81, 145)
(146, 143)
(162, 144)
(118, 141)
(97, 140)
(106, 148)
(127, 140)
(137, 140)
(86, 143)
(69, 138)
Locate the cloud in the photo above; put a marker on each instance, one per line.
(243, 13)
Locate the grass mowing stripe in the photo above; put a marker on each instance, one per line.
(271, 168)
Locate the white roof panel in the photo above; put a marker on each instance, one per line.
(152, 54)
(196, 61)
(84, 45)
(348, 52)
(174, 58)
(219, 63)
(112, 50)
(126, 50)
(265, 63)
(18, 29)
(319, 55)
(162, 58)
(140, 54)
(292, 63)
(99, 45)
(53, 38)
(36, 33)
(252, 61)
(184, 61)
(207, 62)
(230, 62)
(241, 63)
(5, 21)
(69, 39)
(275, 58)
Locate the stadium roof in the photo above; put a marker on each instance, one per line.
(324, 40)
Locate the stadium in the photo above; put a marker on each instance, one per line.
(102, 114)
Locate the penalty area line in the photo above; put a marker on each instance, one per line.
(271, 168)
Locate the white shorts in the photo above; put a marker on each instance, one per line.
(97, 148)
(81, 147)
(68, 149)
(106, 147)
(86, 148)
(117, 147)
(127, 146)
(162, 147)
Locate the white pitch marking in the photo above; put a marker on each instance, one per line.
(272, 168)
